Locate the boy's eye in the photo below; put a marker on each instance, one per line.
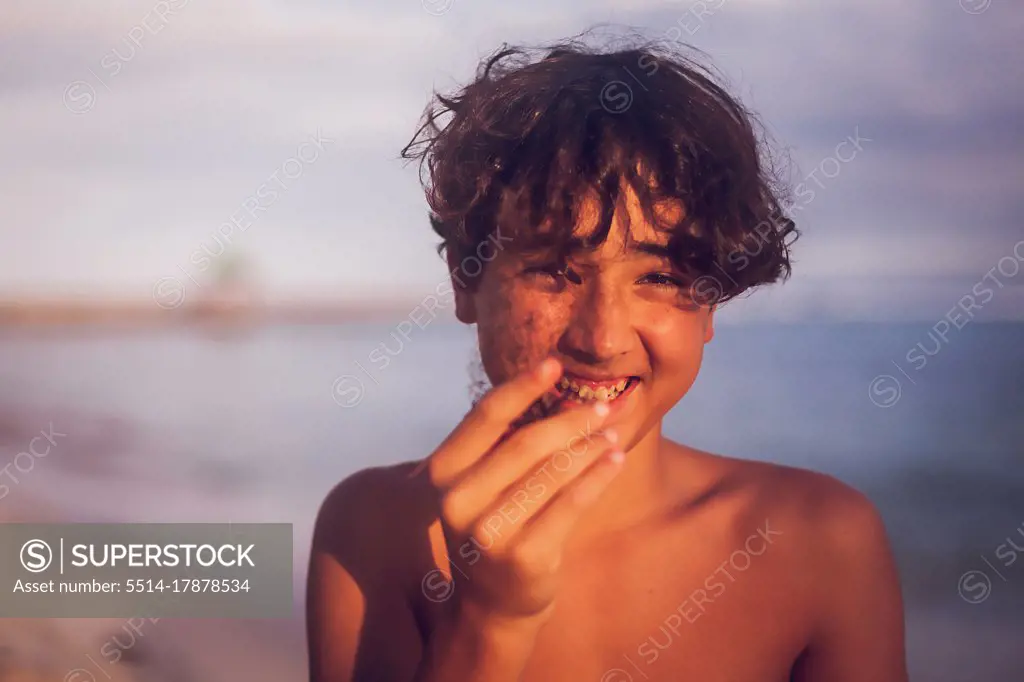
(554, 271)
(674, 286)
(550, 269)
(663, 280)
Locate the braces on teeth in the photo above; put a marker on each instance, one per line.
(574, 391)
(570, 391)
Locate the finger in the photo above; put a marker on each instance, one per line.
(487, 422)
(507, 514)
(558, 441)
(527, 495)
(549, 528)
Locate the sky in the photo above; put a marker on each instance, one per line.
(133, 131)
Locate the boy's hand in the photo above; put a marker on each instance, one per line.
(480, 467)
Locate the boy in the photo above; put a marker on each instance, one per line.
(617, 198)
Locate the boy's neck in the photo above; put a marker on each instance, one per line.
(632, 495)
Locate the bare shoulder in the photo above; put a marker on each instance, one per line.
(361, 490)
(359, 620)
(819, 510)
(833, 562)
(830, 542)
(373, 514)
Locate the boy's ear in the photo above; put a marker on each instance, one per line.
(709, 325)
(465, 306)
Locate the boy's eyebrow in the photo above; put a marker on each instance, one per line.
(577, 247)
(653, 248)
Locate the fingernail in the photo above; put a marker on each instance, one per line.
(549, 366)
(617, 456)
(602, 409)
(612, 435)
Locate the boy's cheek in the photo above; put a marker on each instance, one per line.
(672, 334)
(515, 344)
(517, 326)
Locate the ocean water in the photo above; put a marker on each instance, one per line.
(196, 424)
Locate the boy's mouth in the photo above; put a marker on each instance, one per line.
(579, 389)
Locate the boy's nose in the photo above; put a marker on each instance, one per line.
(599, 328)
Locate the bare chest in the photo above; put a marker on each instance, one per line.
(729, 610)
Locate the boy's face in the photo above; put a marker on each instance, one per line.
(617, 313)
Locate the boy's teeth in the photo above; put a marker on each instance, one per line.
(587, 394)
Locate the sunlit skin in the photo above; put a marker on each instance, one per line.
(688, 565)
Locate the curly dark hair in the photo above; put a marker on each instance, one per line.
(540, 128)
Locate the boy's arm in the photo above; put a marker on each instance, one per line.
(860, 635)
(359, 624)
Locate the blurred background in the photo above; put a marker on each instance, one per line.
(209, 248)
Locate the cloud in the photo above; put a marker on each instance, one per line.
(173, 118)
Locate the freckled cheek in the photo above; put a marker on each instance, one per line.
(518, 332)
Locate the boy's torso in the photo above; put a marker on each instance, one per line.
(718, 588)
